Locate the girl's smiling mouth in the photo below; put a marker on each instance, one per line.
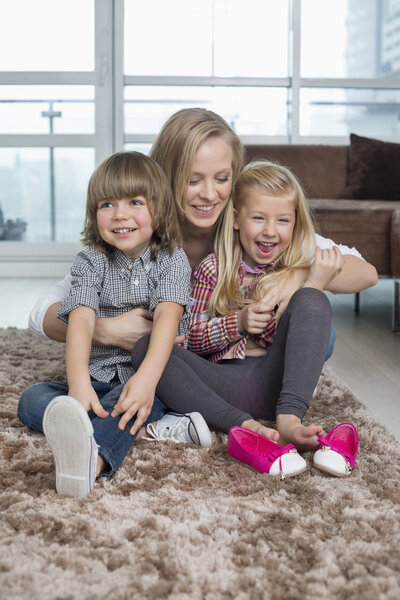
(266, 248)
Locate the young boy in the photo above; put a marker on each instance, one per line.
(132, 260)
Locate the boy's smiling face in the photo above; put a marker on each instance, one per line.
(125, 223)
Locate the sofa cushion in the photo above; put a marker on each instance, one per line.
(320, 168)
(373, 169)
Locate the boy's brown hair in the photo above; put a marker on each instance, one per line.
(127, 175)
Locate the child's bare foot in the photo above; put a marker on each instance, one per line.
(306, 437)
(291, 431)
(267, 432)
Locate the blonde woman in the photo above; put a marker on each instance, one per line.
(250, 367)
(202, 158)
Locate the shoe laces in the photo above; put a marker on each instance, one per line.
(177, 432)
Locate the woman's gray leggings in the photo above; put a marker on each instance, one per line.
(230, 392)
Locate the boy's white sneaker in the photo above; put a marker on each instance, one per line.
(190, 428)
(69, 433)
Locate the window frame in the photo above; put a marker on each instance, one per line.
(109, 81)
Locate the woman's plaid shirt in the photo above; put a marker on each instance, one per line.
(219, 337)
(114, 285)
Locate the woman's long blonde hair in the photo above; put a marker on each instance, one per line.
(273, 180)
(178, 141)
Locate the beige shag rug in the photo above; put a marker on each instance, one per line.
(185, 523)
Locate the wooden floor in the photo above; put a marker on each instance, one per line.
(366, 356)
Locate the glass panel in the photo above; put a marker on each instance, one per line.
(372, 113)
(251, 38)
(354, 38)
(191, 34)
(73, 168)
(47, 35)
(168, 38)
(24, 194)
(28, 109)
(33, 210)
(250, 111)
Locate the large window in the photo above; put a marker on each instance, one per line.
(80, 79)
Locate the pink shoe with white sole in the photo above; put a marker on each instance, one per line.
(338, 450)
(264, 455)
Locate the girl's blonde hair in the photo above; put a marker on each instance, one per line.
(273, 180)
(127, 175)
(178, 141)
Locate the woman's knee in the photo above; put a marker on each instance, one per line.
(140, 350)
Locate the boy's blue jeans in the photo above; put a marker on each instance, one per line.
(113, 443)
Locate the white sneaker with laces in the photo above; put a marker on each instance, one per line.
(190, 428)
(69, 433)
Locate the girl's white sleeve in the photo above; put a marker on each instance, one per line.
(326, 243)
(57, 294)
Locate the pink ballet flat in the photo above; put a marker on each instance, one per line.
(338, 450)
(264, 455)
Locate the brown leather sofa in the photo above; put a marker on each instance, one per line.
(372, 226)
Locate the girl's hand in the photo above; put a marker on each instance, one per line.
(286, 287)
(136, 398)
(89, 400)
(327, 264)
(253, 318)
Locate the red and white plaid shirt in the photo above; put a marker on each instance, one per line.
(219, 337)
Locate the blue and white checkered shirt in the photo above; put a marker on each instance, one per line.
(115, 285)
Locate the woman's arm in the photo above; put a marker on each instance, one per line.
(42, 318)
(122, 331)
(356, 274)
(138, 393)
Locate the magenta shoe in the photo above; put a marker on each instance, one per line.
(338, 450)
(264, 455)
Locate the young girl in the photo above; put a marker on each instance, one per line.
(132, 259)
(253, 368)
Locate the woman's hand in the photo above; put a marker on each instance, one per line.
(327, 264)
(125, 330)
(253, 318)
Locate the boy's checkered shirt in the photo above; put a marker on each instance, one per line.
(114, 285)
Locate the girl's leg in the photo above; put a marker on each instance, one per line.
(290, 370)
(237, 391)
(192, 383)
